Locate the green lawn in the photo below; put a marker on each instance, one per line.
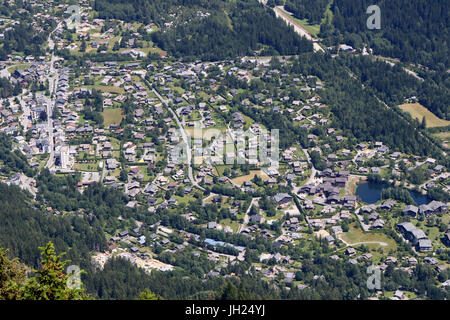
(278, 215)
(410, 295)
(111, 89)
(112, 115)
(384, 172)
(203, 95)
(241, 179)
(248, 122)
(234, 225)
(184, 199)
(42, 160)
(313, 29)
(88, 167)
(177, 89)
(328, 13)
(17, 67)
(300, 154)
(301, 180)
(143, 171)
(317, 209)
(433, 234)
(220, 169)
(417, 111)
(355, 235)
(115, 143)
(112, 41)
(194, 116)
(443, 135)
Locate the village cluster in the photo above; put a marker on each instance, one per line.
(119, 123)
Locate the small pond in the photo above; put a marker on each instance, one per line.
(370, 192)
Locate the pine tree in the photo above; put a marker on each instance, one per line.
(230, 292)
(423, 125)
(50, 282)
(83, 46)
(12, 276)
(149, 295)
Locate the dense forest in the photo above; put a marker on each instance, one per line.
(351, 95)
(23, 228)
(397, 193)
(61, 193)
(121, 280)
(412, 30)
(137, 10)
(393, 85)
(313, 11)
(357, 111)
(353, 85)
(231, 28)
(323, 277)
(24, 37)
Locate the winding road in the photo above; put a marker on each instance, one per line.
(184, 136)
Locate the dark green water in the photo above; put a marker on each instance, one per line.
(370, 192)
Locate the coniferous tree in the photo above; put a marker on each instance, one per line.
(50, 282)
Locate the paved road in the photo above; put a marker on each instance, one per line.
(312, 175)
(280, 12)
(410, 72)
(313, 170)
(246, 217)
(50, 106)
(52, 88)
(444, 175)
(25, 117)
(51, 102)
(361, 220)
(283, 14)
(185, 139)
(103, 171)
(25, 183)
